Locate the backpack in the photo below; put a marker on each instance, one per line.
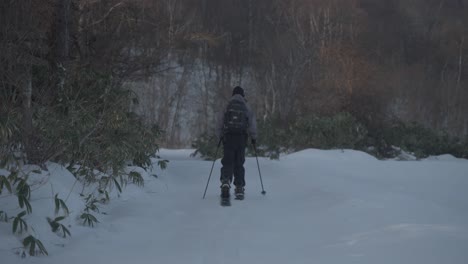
(236, 120)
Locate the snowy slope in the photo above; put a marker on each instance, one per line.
(321, 207)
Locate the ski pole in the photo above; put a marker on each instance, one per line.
(216, 155)
(259, 173)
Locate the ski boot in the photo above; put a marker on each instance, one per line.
(239, 192)
(225, 194)
(225, 190)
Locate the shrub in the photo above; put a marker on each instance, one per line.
(343, 130)
(339, 131)
(91, 125)
(423, 141)
(35, 246)
(87, 125)
(273, 138)
(206, 146)
(9, 133)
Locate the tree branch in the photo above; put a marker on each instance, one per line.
(104, 17)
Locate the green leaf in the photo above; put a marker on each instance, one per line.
(65, 231)
(57, 204)
(24, 202)
(31, 242)
(118, 185)
(60, 218)
(64, 207)
(32, 248)
(53, 224)
(28, 206)
(89, 219)
(60, 203)
(4, 183)
(19, 221)
(93, 218)
(23, 189)
(163, 164)
(21, 201)
(3, 217)
(41, 247)
(134, 174)
(23, 225)
(7, 184)
(27, 241)
(13, 176)
(15, 224)
(136, 178)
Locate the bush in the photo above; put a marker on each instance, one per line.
(343, 130)
(339, 131)
(9, 133)
(88, 126)
(91, 124)
(273, 138)
(206, 146)
(423, 141)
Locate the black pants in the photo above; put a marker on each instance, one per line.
(233, 159)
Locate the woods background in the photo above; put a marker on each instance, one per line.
(98, 86)
(175, 62)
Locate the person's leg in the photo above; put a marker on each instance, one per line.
(239, 171)
(228, 162)
(239, 159)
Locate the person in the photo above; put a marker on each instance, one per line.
(235, 126)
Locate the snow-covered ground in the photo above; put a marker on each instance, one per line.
(320, 207)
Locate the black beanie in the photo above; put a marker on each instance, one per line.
(238, 90)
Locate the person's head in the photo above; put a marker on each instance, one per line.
(238, 90)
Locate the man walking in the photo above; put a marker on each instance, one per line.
(234, 128)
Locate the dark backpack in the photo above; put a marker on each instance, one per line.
(236, 120)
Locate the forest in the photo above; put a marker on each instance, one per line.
(79, 76)
(93, 91)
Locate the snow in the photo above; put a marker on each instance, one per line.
(335, 206)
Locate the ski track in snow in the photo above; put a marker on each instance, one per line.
(320, 207)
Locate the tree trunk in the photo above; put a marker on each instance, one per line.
(61, 42)
(27, 124)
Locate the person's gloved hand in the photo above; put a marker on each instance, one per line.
(254, 141)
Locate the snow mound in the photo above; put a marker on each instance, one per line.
(330, 155)
(445, 157)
